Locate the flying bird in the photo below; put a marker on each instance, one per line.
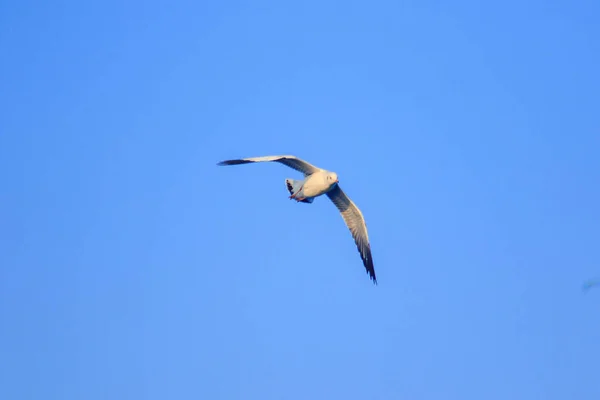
(317, 182)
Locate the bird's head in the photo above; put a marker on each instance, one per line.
(332, 178)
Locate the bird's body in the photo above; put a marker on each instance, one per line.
(314, 185)
(317, 182)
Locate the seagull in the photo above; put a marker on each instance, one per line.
(317, 182)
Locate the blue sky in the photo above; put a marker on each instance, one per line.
(132, 267)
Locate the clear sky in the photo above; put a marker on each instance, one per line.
(133, 267)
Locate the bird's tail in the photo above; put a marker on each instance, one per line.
(294, 186)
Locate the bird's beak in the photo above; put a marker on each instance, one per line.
(337, 181)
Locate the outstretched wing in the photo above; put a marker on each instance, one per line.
(356, 223)
(291, 161)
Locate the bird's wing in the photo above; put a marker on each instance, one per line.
(356, 223)
(291, 161)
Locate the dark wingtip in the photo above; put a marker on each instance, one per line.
(234, 162)
(226, 162)
(372, 276)
(368, 263)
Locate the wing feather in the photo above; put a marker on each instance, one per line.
(356, 223)
(291, 161)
